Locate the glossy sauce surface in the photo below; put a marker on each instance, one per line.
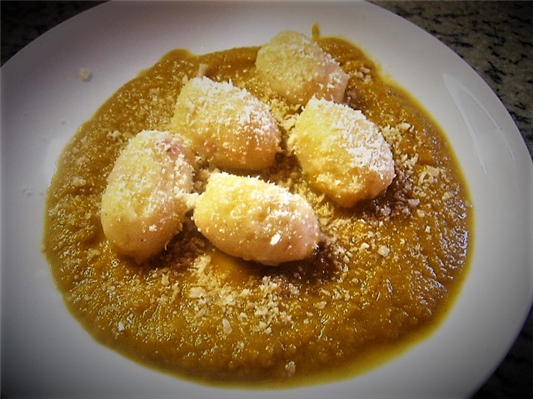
(385, 275)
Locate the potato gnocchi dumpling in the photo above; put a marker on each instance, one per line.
(255, 220)
(297, 68)
(145, 201)
(343, 154)
(226, 125)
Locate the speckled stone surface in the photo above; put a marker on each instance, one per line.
(495, 38)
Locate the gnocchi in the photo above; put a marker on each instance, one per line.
(343, 154)
(255, 220)
(297, 68)
(226, 125)
(145, 201)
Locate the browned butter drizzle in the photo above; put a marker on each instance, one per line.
(386, 276)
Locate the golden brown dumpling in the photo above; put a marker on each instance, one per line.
(145, 201)
(297, 68)
(343, 154)
(226, 125)
(255, 220)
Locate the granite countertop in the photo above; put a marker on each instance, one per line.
(495, 38)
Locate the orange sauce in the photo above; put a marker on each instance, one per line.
(385, 277)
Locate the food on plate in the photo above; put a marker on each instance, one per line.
(297, 68)
(341, 152)
(360, 283)
(255, 220)
(226, 125)
(145, 201)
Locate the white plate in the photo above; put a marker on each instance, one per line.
(45, 351)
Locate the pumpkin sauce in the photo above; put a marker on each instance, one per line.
(384, 277)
